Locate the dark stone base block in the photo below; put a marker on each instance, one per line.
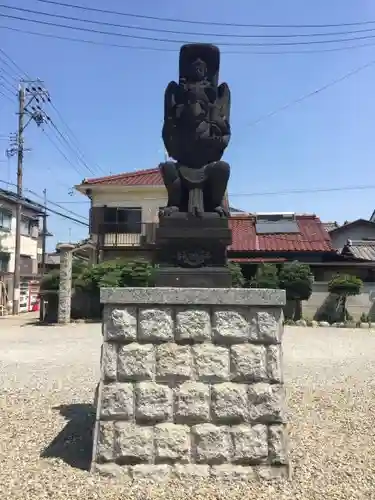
(192, 251)
(203, 277)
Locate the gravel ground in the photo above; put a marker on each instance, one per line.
(47, 380)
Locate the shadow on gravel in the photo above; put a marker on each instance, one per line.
(73, 444)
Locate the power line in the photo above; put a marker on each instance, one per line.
(52, 203)
(6, 71)
(174, 50)
(15, 64)
(72, 136)
(55, 204)
(62, 153)
(270, 193)
(6, 96)
(205, 23)
(313, 93)
(154, 39)
(179, 32)
(11, 90)
(6, 79)
(63, 138)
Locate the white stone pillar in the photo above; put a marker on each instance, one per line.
(65, 288)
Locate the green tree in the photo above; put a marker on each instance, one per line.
(344, 286)
(266, 277)
(238, 279)
(118, 272)
(296, 279)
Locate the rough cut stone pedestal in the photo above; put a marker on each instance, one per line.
(191, 384)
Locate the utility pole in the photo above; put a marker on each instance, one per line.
(26, 95)
(43, 266)
(17, 254)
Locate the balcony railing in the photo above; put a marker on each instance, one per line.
(125, 235)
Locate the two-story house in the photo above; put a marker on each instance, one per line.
(30, 241)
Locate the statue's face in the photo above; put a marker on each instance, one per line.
(199, 69)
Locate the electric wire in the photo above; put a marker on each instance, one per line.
(204, 23)
(175, 50)
(167, 40)
(179, 32)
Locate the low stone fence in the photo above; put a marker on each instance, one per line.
(191, 384)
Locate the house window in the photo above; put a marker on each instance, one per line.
(4, 262)
(123, 220)
(5, 220)
(25, 227)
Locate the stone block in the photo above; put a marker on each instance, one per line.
(191, 472)
(117, 401)
(229, 403)
(278, 444)
(230, 326)
(173, 362)
(192, 402)
(211, 443)
(270, 325)
(275, 363)
(256, 297)
(113, 471)
(136, 362)
(109, 361)
(133, 443)
(248, 362)
(229, 472)
(105, 442)
(211, 362)
(120, 324)
(272, 472)
(172, 443)
(266, 403)
(155, 325)
(250, 443)
(153, 402)
(193, 325)
(151, 473)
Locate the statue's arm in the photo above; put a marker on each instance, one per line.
(170, 99)
(223, 100)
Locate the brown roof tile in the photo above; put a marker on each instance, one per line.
(150, 177)
(311, 238)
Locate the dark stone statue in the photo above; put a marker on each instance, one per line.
(193, 232)
(196, 132)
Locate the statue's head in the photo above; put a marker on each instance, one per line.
(198, 70)
(199, 61)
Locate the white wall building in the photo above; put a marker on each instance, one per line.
(30, 240)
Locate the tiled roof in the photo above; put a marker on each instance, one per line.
(330, 226)
(358, 222)
(12, 197)
(360, 249)
(311, 238)
(150, 177)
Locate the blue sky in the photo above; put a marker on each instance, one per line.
(112, 98)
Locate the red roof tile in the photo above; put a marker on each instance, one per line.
(150, 177)
(311, 238)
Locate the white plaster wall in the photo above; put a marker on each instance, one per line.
(29, 246)
(362, 303)
(149, 199)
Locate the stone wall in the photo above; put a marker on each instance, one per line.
(191, 385)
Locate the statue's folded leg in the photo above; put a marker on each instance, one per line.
(217, 181)
(172, 182)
